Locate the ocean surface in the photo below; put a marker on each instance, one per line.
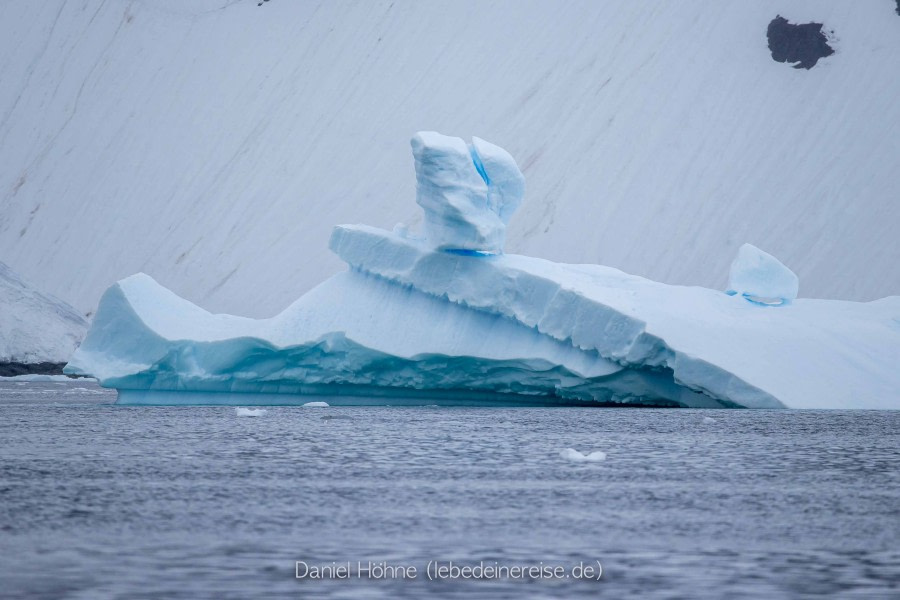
(106, 501)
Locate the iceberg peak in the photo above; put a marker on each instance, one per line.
(761, 278)
(468, 191)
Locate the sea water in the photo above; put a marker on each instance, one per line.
(99, 500)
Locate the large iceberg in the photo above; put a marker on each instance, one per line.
(448, 318)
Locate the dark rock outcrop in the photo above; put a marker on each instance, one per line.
(802, 44)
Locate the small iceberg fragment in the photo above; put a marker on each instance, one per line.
(761, 278)
(576, 456)
(316, 405)
(249, 412)
(708, 420)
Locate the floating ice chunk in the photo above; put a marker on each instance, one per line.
(708, 420)
(249, 412)
(576, 456)
(761, 278)
(468, 192)
(316, 405)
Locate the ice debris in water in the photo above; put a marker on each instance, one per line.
(316, 404)
(468, 192)
(576, 456)
(249, 412)
(708, 420)
(761, 278)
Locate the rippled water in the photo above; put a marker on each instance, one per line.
(105, 501)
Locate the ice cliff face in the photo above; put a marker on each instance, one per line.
(417, 320)
(34, 328)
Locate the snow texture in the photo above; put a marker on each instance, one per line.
(760, 277)
(213, 144)
(415, 322)
(35, 327)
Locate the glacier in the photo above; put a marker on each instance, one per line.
(448, 318)
(38, 332)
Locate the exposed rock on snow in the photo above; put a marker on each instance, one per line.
(802, 45)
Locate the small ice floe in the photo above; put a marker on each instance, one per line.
(249, 412)
(708, 420)
(576, 456)
(316, 404)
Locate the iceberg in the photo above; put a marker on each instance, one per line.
(448, 318)
(249, 412)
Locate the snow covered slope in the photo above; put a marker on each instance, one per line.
(214, 143)
(34, 327)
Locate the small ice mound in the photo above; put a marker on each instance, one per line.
(249, 412)
(316, 405)
(576, 456)
(761, 278)
(708, 420)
